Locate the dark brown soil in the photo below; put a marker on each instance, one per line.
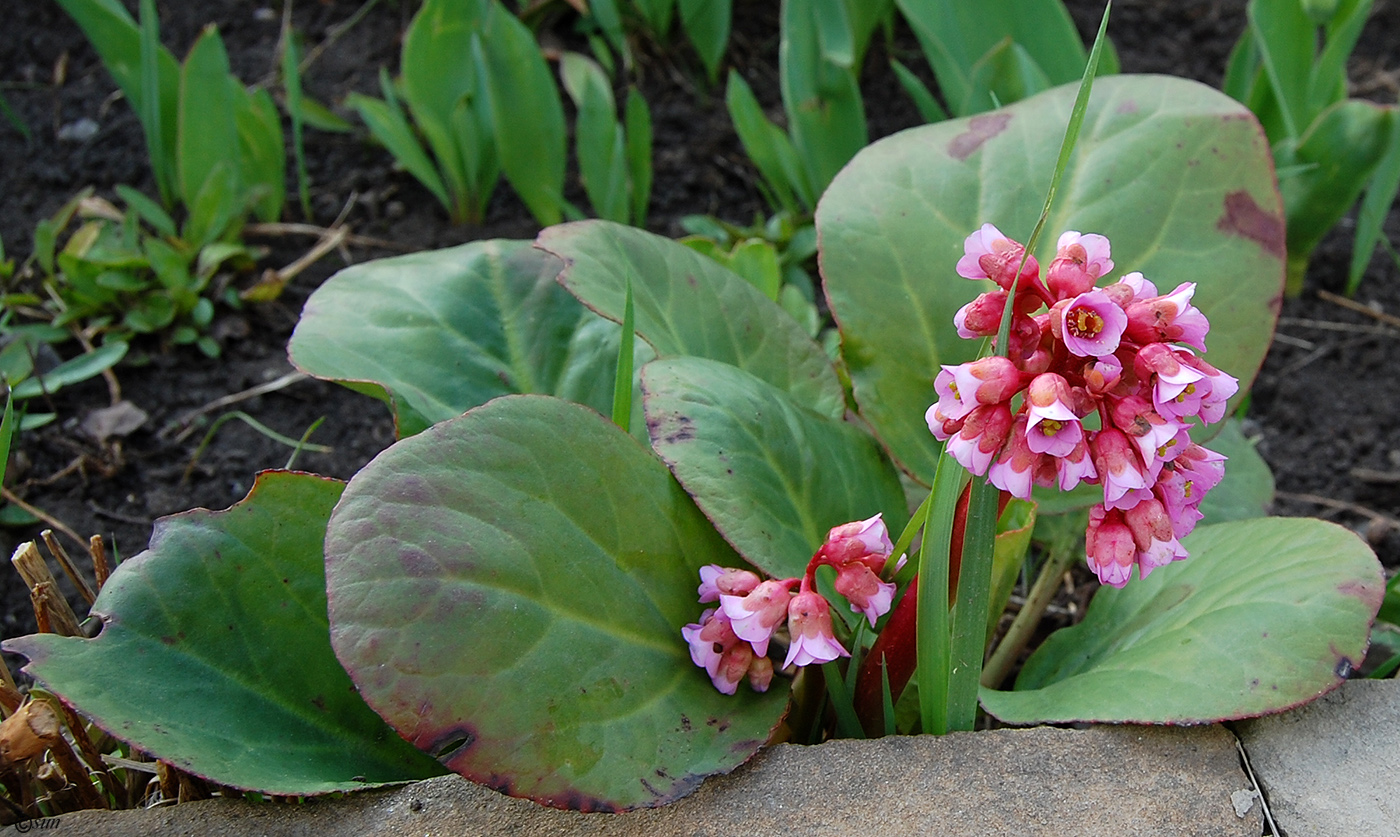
(1323, 407)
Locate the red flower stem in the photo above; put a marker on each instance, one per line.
(895, 648)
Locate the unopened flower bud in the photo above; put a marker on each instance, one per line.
(865, 591)
(1109, 546)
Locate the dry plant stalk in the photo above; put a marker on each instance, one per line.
(98, 552)
(61, 555)
(51, 610)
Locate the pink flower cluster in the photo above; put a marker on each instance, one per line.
(1105, 395)
(731, 641)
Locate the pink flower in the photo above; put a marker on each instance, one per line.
(758, 614)
(1153, 536)
(1014, 471)
(1104, 375)
(715, 648)
(1079, 261)
(1141, 288)
(716, 581)
(865, 591)
(1221, 387)
(988, 254)
(1091, 324)
(1169, 318)
(981, 437)
(982, 316)
(1051, 425)
(1117, 463)
(1074, 467)
(809, 620)
(1154, 436)
(1109, 546)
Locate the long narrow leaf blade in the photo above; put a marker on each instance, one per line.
(622, 383)
(1380, 194)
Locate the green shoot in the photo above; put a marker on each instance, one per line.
(622, 383)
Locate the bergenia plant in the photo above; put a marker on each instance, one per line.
(512, 585)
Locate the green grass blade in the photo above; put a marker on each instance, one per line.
(15, 120)
(887, 699)
(1076, 121)
(291, 84)
(934, 637)
(390, 127)
(7, 432)
(150, 110)
(639, 145)
(622, 381)
(148, 210)
(929, 108)
(969, 639)
(764, 143)
(847, 723)
(208, 133)
(1380, 194)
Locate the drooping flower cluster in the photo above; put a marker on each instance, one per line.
(731, 641)
(1106, 396)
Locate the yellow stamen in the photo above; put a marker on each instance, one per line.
(1049, 427)
(1084, 323)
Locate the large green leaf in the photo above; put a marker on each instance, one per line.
(513, 606)
(1175, 174)
(215, 655)
(439, 72)
(1264, 615)
(826, 117)
(439, 332)
(1339, 151)
(773, 476)
(954, 35)
(687, 304)
(526, 113)
(208, 133)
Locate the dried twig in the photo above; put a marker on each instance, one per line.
(278, 228)
(53, 522)
(1351, 304)
(61, 556)
(49, 606)
(1377, 477)
(1328, 325)
(99, 561)
(185, 422)
(1341, 505)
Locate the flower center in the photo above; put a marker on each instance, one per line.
(1084, 323)
(1190, 390)
(1049, 427)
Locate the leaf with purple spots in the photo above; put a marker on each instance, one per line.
(508, 589)
(1176, 174)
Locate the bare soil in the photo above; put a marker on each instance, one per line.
(1324, 407)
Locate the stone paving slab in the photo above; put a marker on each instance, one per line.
(1123, 781)
(1332, 768)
